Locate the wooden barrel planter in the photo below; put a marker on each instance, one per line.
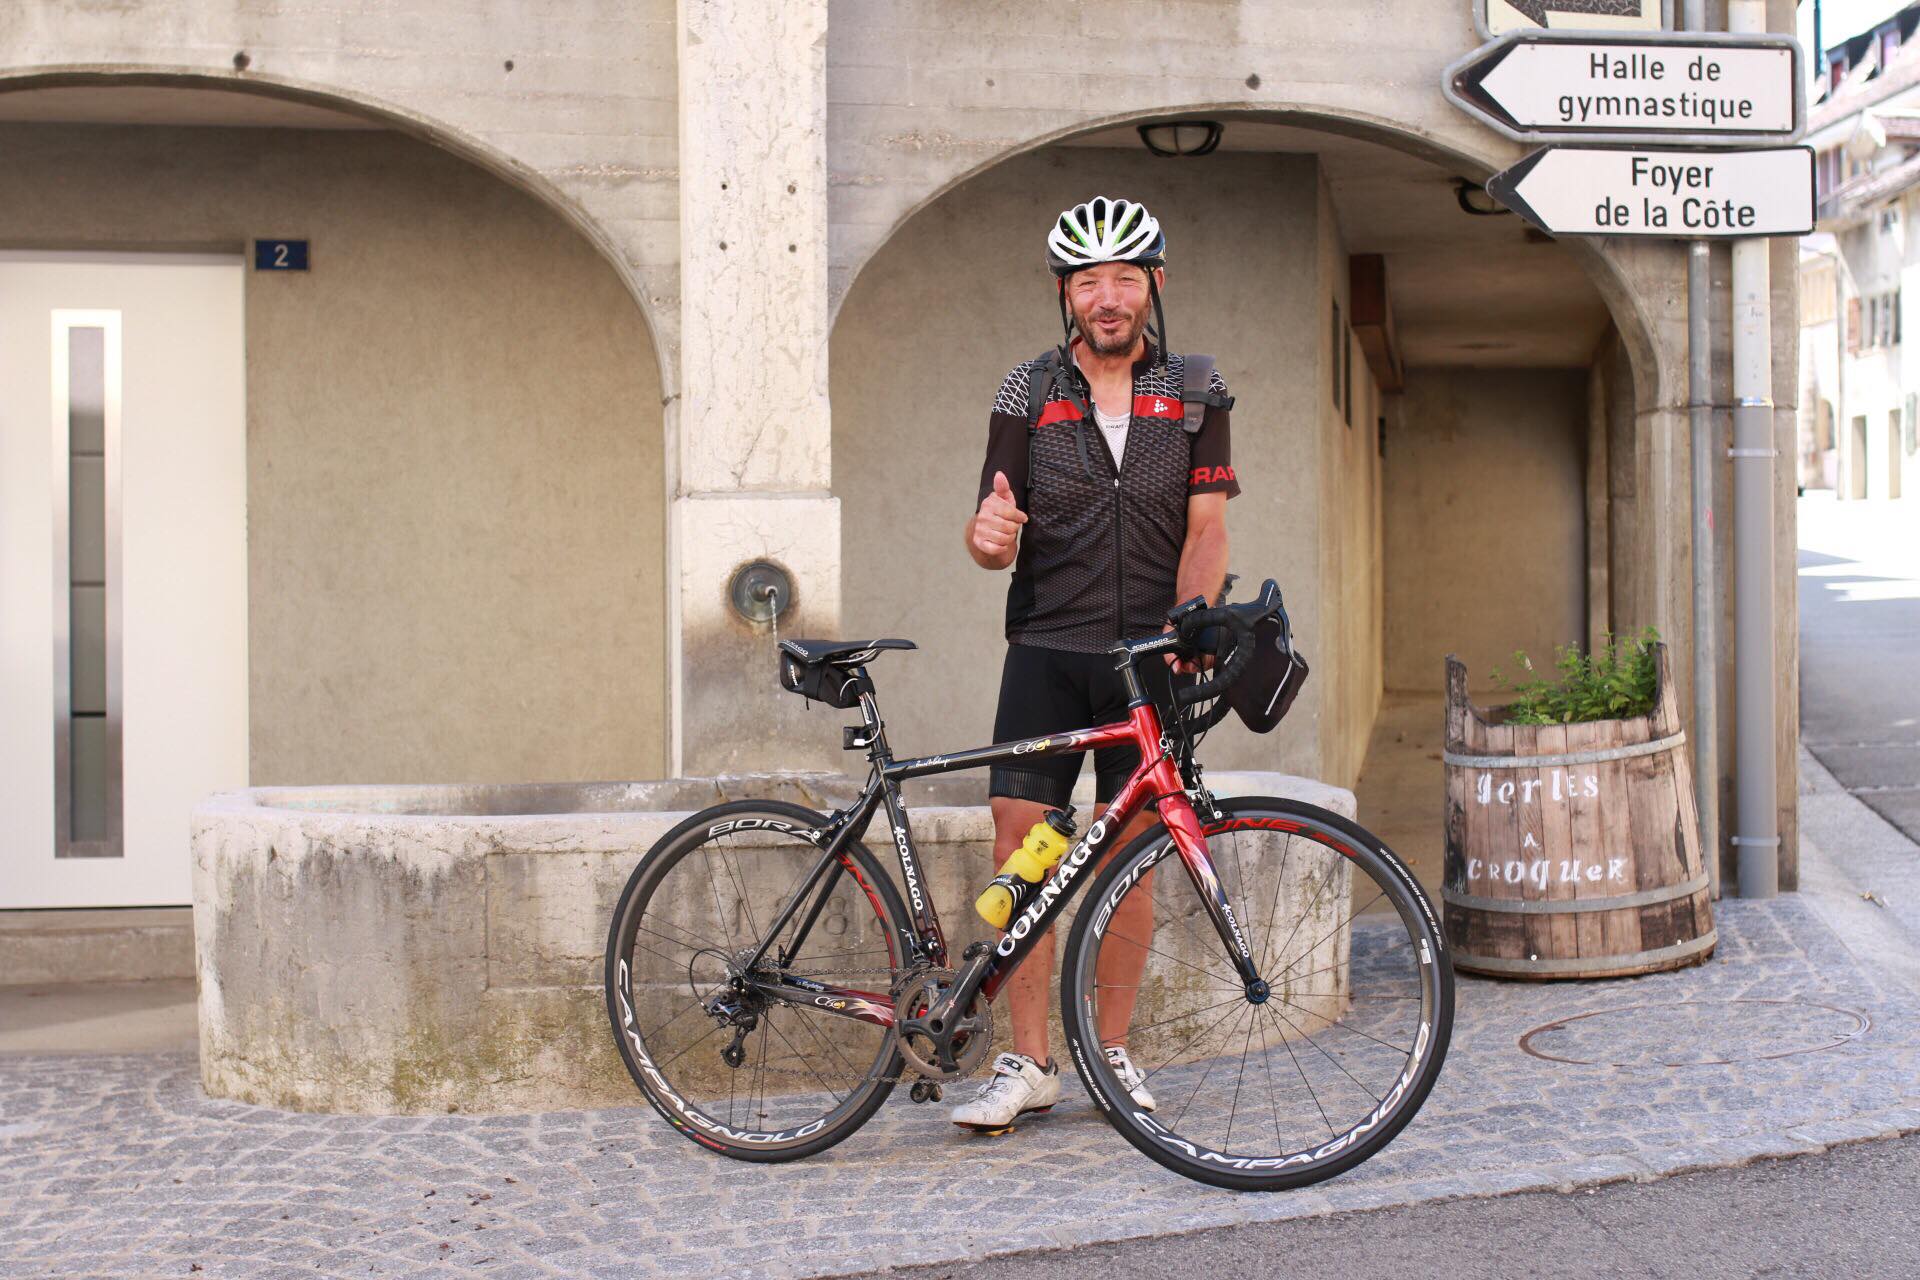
(1573, 851)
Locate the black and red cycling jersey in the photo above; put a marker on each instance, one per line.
(1100, 551)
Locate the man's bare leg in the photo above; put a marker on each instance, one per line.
(1029, 997)
(1027, 989)
(1123, 957)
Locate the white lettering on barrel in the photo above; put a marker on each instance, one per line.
(1541, 871)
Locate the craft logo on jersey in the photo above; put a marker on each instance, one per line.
(1161, 406)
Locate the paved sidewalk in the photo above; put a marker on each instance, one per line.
(1800, 1033)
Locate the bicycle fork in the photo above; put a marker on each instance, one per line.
(1189, 841)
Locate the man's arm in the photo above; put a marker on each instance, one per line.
(1203, 558)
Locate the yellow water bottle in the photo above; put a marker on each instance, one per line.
(1026, 867)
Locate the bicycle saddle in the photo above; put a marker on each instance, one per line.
(846, 653)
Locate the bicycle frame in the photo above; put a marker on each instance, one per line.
(1157, 782)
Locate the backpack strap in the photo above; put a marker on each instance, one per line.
(1196, 391)
(1044, 372)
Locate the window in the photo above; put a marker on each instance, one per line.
(1336, 353)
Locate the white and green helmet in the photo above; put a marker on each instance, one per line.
(1105, 230)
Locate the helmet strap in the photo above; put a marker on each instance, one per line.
(1159, 316)
(1066, 318)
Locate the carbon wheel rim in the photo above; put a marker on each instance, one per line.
(1325, 1068)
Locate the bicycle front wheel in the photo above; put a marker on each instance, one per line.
(1260, 1090)
(742, 1072)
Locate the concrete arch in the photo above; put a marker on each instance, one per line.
(1653, 384)
(456, 424)
(437, 133)
(976, 208)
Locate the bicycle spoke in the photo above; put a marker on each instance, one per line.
(1273, 908)
(1320, 893)
(1211, 1063)
(1288, 1046)
(1329, 1057)
(1238, 1080)
(1174, 1058)
(1273, 1101)
(1182, 1017)
(1227, 984)
(1329, 933)
(1335, 1022)
(768, 1019)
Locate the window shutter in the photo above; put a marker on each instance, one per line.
(1853, 324)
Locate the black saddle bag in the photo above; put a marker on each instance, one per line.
(836, 686)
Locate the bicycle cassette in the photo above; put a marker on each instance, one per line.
(941, 1049)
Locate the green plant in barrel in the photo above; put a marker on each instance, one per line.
(1616, 682)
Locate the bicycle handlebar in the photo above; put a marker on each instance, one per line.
(1192, 623)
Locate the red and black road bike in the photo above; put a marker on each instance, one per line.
(1290, 1002)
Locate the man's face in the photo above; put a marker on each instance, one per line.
(1109, 304)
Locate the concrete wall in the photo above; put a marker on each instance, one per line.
(1486, 522)
(1348, 650)
(454, 448)
(920, 95)
(958, 297)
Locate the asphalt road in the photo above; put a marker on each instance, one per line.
(1853, 1212)
(1860, 650)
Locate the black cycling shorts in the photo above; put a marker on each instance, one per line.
(1046, 691)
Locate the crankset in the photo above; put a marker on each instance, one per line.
(938, 1043)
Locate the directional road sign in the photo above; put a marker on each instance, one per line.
(1683, 87)
(1687, 195)
(1495, 17)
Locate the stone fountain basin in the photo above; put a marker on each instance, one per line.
(408, 949)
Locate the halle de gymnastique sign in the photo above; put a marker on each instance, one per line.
(1693, 88)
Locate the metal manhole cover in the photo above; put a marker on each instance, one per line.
(1695, 1033)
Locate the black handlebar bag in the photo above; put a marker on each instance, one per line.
(1263, 694)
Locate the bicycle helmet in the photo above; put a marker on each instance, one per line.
(1104, 230)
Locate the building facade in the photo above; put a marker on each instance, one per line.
(606, 303)
(1860, 383)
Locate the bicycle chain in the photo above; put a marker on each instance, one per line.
(896, 977)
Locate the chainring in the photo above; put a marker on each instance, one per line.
(956, 1050)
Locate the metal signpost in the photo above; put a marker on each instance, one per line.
(1589, 72)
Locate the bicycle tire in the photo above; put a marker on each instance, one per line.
(1316, 1161)
(679, 1105)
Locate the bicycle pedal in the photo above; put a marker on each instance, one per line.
(924, 1091)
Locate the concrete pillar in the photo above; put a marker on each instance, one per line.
(752, 440)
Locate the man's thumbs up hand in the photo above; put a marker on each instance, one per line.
(997, 524)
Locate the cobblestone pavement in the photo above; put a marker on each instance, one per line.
(119, 1166)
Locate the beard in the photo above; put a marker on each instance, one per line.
(1111, 342)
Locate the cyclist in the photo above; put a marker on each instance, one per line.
(1110, 511)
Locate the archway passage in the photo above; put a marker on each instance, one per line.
(452, 432)
(1426, 389)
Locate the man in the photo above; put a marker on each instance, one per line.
(1110, 512)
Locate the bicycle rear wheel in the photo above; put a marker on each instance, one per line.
(739, 1072)
(1268, 1090)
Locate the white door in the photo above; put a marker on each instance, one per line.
(123, 570)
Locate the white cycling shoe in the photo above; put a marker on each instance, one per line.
(1020, 1086)
(1131, 1077)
